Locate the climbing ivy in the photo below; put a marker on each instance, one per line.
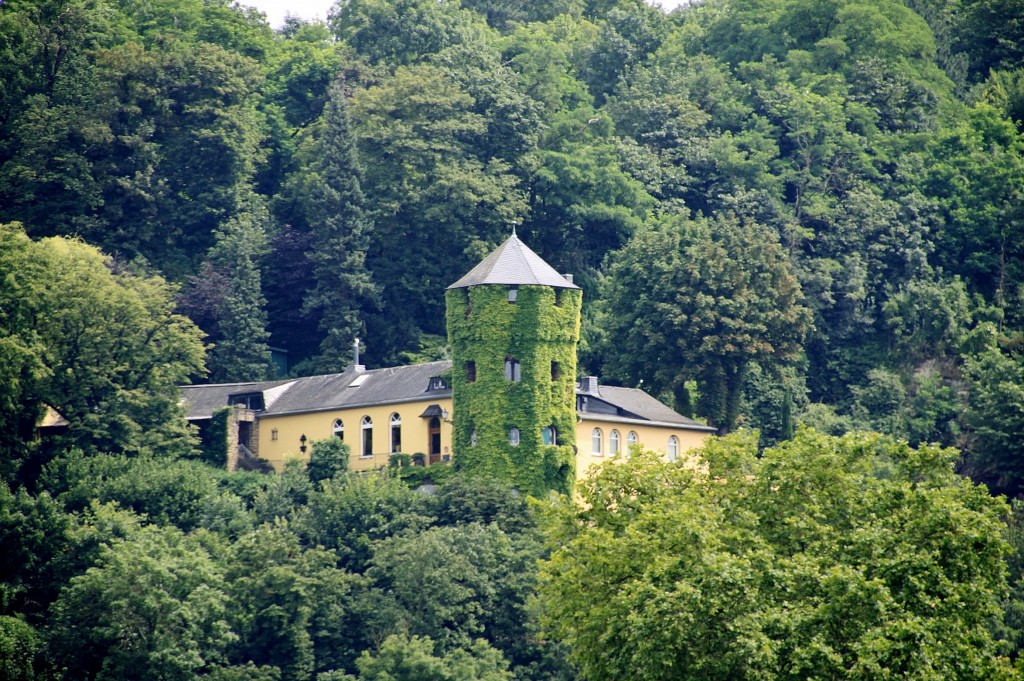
(214, 438)
(540, 331)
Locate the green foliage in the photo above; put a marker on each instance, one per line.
(241, 352)
(702, 299)
(435, 180)
(454, 583)
(19, 645)
(414, 659)
(464, 499)
(992, 34)
(329, 199)
(284, 494)
(996, 419)
(107, 350)
(214, 438)
(184, 493)
(539, 331)
(349, 513)
(154, 605)
(329, 459)
(290, 608)
(35, 533)
(854, 557)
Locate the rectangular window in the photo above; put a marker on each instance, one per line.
(396, 439)
(513, 372)
(470, 372)
(556, 371)
(513, 293)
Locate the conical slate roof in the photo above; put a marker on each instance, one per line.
(513, 264)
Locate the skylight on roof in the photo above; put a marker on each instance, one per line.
(358, 380)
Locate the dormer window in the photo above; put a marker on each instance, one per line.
(438, 383)
(253, 401)
(513, 293)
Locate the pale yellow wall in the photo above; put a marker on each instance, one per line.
(650, 437)
(318, 426)
(415, 435)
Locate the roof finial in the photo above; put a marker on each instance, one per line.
(514, 223)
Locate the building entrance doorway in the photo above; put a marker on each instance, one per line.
(434, 446)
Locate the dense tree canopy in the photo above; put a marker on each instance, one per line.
(780, 211)
(855, 557)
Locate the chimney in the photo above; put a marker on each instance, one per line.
(588, 385)
(567, 277)
(356, 366)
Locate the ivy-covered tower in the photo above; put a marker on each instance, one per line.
(513, 327)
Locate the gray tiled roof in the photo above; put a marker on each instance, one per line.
(319, 393)
(203, 400)
(354, 389)
(400, 384)
(513, 264)
(637, 402)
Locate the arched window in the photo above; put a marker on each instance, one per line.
(632, 438)
(367, 436)
(613, 443)
(596, 442)
(513, 437)
(549, 435)
(513, 371)
(338, 429)
(396, 433)
(673, 448)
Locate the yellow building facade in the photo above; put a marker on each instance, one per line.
(373, 433)
(284, 418)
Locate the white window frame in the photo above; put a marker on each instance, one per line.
(597, 442)
(367, 427)
(396, 422)
(614, 442)
(513, 437)
(338, 429)
(673, 448)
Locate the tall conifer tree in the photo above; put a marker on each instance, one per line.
(242, 353)
(335, 211)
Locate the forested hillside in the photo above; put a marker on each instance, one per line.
(777, 207)
(781, 212)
